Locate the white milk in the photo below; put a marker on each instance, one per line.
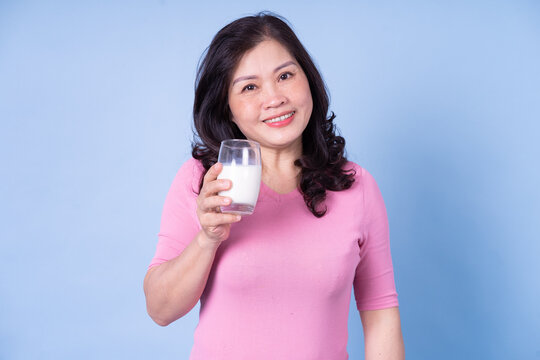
(246, 181)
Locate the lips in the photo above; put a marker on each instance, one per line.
(280, 119)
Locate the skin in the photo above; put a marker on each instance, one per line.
(383, 339)
(173, 288)
(267, 82)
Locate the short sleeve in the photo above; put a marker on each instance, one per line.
(179, 222)
(374, 286)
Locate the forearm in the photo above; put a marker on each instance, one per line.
(173, 288)
(382, 335)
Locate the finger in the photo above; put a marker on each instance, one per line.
(213, 172)
(210, 203)
(215, 219)
(216, 186)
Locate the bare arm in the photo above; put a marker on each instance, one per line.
(173, 288)
(382, 334)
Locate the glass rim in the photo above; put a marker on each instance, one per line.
(233, 143)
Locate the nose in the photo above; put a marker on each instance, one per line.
(273, 97)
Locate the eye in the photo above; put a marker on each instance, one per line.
(249, 87)
(285, 76)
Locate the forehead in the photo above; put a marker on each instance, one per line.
(265, 56)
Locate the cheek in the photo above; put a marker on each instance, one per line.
(307, 100)
(305, 94)
(235, 109)
(241, 112)
(233, 106)
(240, 106)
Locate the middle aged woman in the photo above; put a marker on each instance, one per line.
(276, 284)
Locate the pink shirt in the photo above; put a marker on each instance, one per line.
(281, 284)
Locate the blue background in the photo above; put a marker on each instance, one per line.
(440, 101)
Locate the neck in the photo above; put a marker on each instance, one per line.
(278, 170)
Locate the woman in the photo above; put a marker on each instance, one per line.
(275, 284)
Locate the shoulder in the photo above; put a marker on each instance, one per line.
(360, 173)
(189, 175)
(192, 167)
(363, 180)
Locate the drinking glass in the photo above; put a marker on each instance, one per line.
(241, 161)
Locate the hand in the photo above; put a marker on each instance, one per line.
(215, 225)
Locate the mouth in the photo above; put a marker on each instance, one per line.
(279, 118)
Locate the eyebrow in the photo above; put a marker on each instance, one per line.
(251, 77)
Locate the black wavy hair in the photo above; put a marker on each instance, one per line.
(323, 152)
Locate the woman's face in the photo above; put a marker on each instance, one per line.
(269, 97)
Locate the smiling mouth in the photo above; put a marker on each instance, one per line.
(279, 118)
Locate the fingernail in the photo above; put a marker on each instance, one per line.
(226, 201)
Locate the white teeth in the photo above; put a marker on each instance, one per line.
(280, 118)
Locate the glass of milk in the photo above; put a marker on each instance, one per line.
(241, 161)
